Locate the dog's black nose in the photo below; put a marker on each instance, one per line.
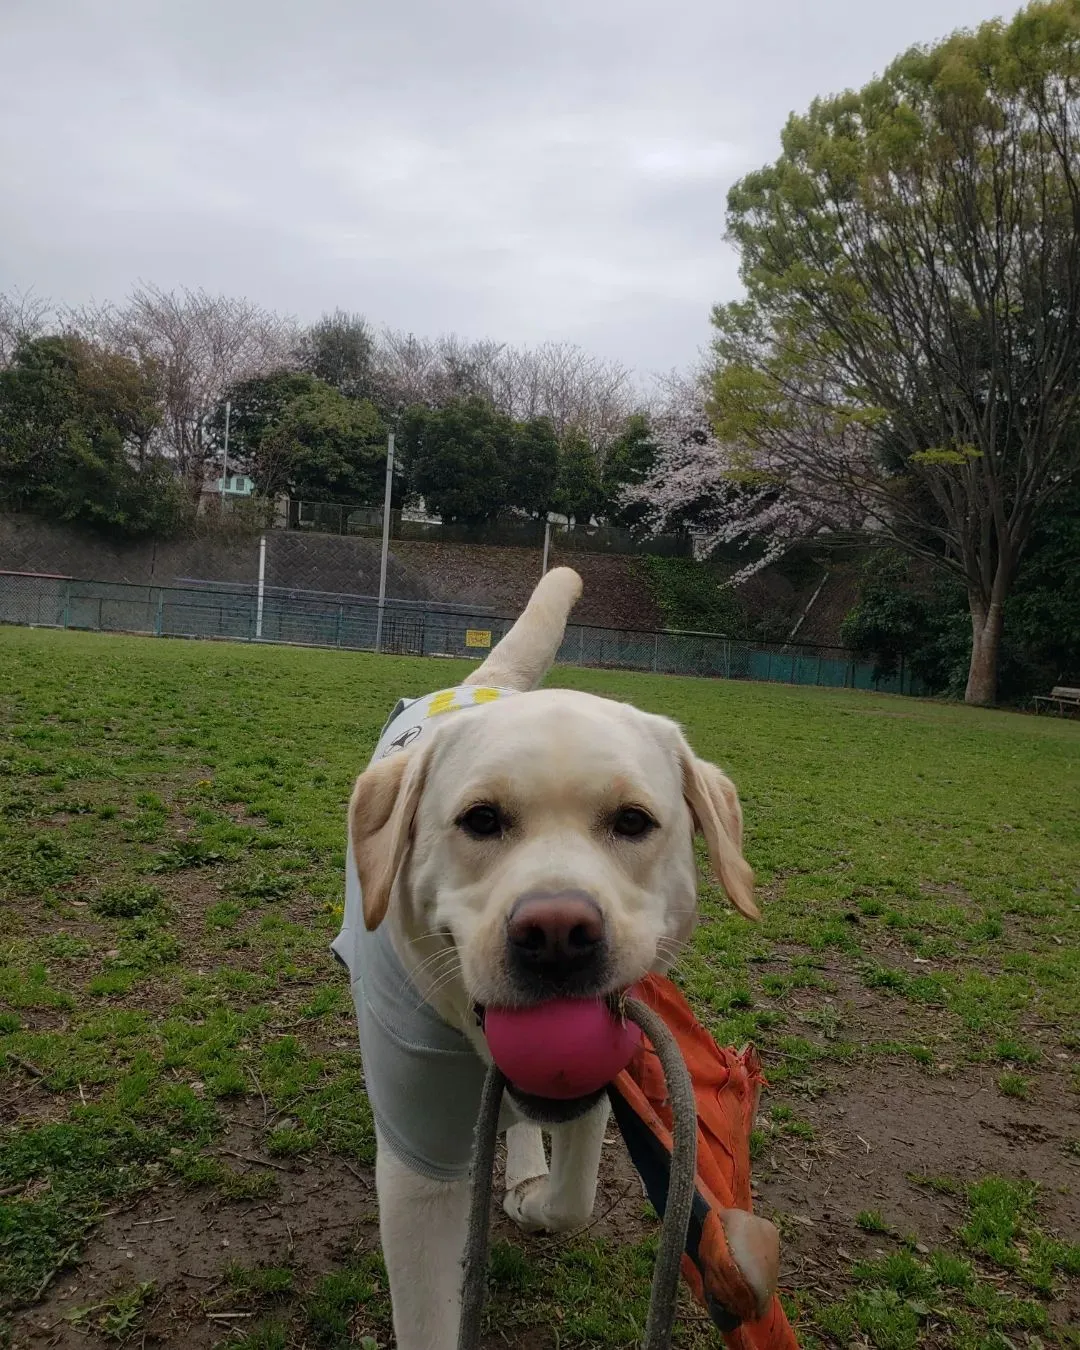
(556, 943)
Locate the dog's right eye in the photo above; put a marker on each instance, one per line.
(482, 821)
(631, 822)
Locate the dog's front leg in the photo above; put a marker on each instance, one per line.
(563, 1200)
(422, 1224)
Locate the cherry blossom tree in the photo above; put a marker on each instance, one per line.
(722, 494)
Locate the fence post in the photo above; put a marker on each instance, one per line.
(262, 589)
(340, 616)
(67, 604)
(160, 608)
(655, 651)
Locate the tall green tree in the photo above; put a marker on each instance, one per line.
(295, 433)
(578, 491)
(258, 405)
(331, 448)
(533, 470)
(76, 422)
(457, 458)
(909, 348)
(122, 393)
(630, 458)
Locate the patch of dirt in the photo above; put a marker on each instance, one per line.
(323, 1213)
(884, 1127)
(878, 1125)
(26, 1102)
(859, 1015)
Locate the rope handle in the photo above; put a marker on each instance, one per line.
(664, 1295)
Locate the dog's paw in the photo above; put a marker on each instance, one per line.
(526, 1205)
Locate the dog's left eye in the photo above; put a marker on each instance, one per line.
(631, 822)
(482, 821)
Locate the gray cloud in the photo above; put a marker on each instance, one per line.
(496, 167)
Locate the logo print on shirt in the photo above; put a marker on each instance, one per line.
(401, 742)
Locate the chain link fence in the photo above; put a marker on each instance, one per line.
(412, 628)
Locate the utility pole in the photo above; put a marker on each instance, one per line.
(385, 539)
(225, 463)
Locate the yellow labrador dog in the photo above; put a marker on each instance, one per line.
(507, 845)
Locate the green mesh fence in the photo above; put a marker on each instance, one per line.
(409, 628)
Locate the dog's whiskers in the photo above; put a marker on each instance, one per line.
(672, 944)
(670, 949)
(439, 975)
(431, 933)
(443, 982)
(434, 960)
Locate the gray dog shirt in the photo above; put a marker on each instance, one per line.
(423, 1078)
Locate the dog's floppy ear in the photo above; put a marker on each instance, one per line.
(381, 814)
(714, 804)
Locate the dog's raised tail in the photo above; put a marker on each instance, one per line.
(524, 656)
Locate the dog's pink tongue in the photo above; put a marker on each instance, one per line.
(561, 1049)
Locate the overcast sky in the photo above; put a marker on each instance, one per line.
(519, 169)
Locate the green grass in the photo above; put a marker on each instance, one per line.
(171, 858)
(1002, 1227)
(899, 1298)
(1015, 1085)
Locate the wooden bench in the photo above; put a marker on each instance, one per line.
(1060, 698)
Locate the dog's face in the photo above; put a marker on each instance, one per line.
(547, 840)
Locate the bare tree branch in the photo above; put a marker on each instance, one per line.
(201, 344)
(23, 316)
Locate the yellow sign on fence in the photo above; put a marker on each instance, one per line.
(477, 637)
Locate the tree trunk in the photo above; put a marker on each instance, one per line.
(987, 623)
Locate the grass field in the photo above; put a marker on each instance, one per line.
(185, 1146)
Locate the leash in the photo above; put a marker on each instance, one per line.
(665, 1281)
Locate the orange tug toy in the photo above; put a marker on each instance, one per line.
(740, 1299)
